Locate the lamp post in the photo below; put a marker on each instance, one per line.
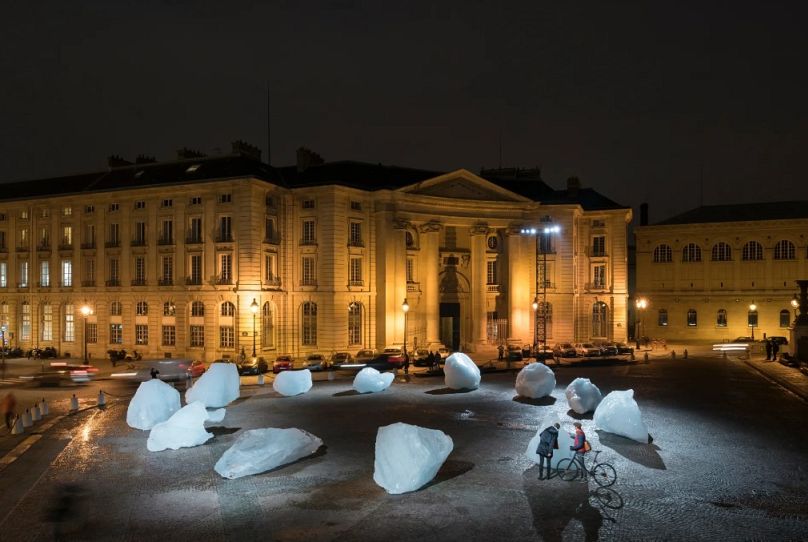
(406, 308)
(535, 306)
(641, 304)
(795, 303)
(753, 321)
(254, 310)
(545, 232)
(85, 312)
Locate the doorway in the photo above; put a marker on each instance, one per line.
(450, 325)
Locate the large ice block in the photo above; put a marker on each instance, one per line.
(217, 387)
(582, 395)
(461, 372)
(260, 450)
(292, 382)
(408, 456)
(619, 413)
(535, 381)
(184, 429)
(369, 380)
(154, 402)
(564, 443)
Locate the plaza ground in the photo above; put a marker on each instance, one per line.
(727, 461)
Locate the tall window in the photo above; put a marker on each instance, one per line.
(752, 251)
(225, 231)
(140, 234)
(140, 270)
(114, 271)
(47, 322)
(67, 235)
(410, 270)
(196, 269)
(141, 334)
(228, 309)
(197, 336)
(721, 252)
(355, 275)
(309, 324)
(167, 235)
(491, 272)
(721, 318)
(92, 332)
(25, 327)
(44, 273)
(662, 317)
(308, 275)
(115, 308)
(142, 308)
(752, 319)
(169, 336)
(89, 270)
(355, 323)
(3, 275)
(663, 254)
(70, 323)
(89, 235)
(227, 337)
(269, 267)
(692, 318)
(269, 229)
(114, 238)
(599, 245)
(116, 334)
(167, 270)
(599, 276)
(691, 253)
(23, 274)
(785, 318)
(267, 326)
(784, 250)
(309, 232)
(169, 308)
(600, 319)
(225, 268)
(67, 273)
(197, 308)
(195, 230)
(409, 239)
(355, 238)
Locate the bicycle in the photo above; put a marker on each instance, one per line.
(603, 473)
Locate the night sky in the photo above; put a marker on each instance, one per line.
(639, 99)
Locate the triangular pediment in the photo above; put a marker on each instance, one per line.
(462, 184)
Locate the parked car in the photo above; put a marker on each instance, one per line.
(744, 339)
(420, 358)
(623, 348)
(386, 361)
(514, 353)
(315, 362)
(59, 372)
(340, 358)
(779, 340)
(365, 355)
(526, 350)
(444, 352)
(587, 350)
(252, 366)
(15, 352)
(283, 363)
(565, 350)
(544, 353)
(608, 349)
(196, 368)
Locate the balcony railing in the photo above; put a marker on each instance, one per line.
(356, 283)
(138, 243)
(223, 279)
(88, 283)
(308, 282)
(413, 286)
(65, 246)
(65, 284)
(356, 243)
(272, 240)
(193, 281)
(42, 284)
(597, 253)
(88, 245)
(492, 288)
(113, 244)
(224, 238)
(274, 282)
(138, 282)
(308, 241)
(113, 283)
(165, 281)
(193, 240)
(596, 286)
(22, 285)
(164, 241)
(22, 249)
(43, 246)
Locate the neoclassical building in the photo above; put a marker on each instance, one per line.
(719, 272)
(205, 256)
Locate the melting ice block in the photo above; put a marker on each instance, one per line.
(535, 381)
(154, 402)
(583, 395)
(260, 450)
(217, 415)
(185, 428)
(564, 443)
(292, 382)
(217, 387)
(618, 413)
(369, 380)
(408, 456)
(461, 373)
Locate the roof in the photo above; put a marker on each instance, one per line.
(537, 190)
(361, 175)
(741, 212)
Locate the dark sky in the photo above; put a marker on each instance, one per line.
(638, 99)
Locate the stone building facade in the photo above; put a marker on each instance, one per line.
(205, 256)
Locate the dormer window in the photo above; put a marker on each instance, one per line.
(140, 205)
(196, 200)
(166, 203)
(308, 204)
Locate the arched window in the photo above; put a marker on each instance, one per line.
(600, 319)
(721, 318)
(752, 251)
(663, 254)
(691, 253)
(197, 308)
(309, 324)
(228, 309)
(169, 308)
(409, 239)
(355, 323)
(784, 250)
(721, 252)
(267, 326)
(692, 318)
(142, 308)
(662, 317)
(115, 308)
(785, 318)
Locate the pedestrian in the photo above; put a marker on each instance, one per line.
(154, 372)
(501, 352)
(775, 350)
(548, 441)
(580, 446)
(768, 349)
(8, 407)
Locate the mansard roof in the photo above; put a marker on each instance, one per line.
(742, 212)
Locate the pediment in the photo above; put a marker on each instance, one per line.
(463, 184)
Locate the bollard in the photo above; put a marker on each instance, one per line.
(645, 357)
(74, 403)
(44, 407)
(102, 399)
(260, 379)
(26, 419)
(673, 354)
(18, 428)
(685, 353)
(35, 414)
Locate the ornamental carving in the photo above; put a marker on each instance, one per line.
(480, 228)
(401, 224)
(432, 226)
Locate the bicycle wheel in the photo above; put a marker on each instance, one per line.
(609, 498)
(567, 470)
(604, 474)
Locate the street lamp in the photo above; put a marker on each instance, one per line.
(254, 310)
(85, 312)
(545, 232)
(752, 318)
(406, 308)
(641, 304)
(795, 303)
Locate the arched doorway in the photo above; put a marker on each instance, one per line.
(454, 295)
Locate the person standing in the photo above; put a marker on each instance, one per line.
(548, 441)
(768, 349)
(580, 447)
(500, 353)
(775, 349)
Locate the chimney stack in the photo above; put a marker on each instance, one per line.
(245, 149)
(113, 160)
(185, 154)
(573, 186)
(643, 214)
(143, 159)
(307, 158)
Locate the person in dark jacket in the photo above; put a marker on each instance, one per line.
(775, 349)
(768, 350)
(579, 447)
(548, 441)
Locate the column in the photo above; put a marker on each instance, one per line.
(430, 253)
(479, 233)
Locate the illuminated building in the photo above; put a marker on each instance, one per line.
(170, 257)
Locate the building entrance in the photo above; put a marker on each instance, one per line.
(450, 325)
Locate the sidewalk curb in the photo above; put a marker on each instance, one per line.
(779, 381)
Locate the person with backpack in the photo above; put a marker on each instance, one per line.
(548, 441)
(580, 446)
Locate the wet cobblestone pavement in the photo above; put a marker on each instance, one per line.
(727, 462)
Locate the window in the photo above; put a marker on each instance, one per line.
(225, 232)
(546, 243)
(227, 338)
(169, 335)
(140, 270)
(3, 275)
(309, 235)
(721, 318)
(167, 233)
(67, 273)
(141, 334)
(114, 207)
(752, 251)
(44, 273)
(23, 274)
(197, 336)
(44, 213)
(721, 252)
(114, 238)
(267, 326)
(225, 198)
(47, 322)
(167, 275)
(89, 270)
(599, 276)
(692, 318)
(663, 254)
(116, 334)
(662, 318)
(140, 234)
(92, 332)
(410, 270)
(598, 223)
(752, 319)
(140, 205)
(599, 245)
(600, 317)
(67, 236)
(308, 204)
(355, 274)
(67, 211)
(24, 214)
(356, 206)
(493, 242)
(89, 236)
(269, 229)
(225, 268)
(784, 250)
(196, 200)
(197, 308)
(309, 323)
(308, 274)
(355, 323)
(89, 209)
(491, 272)
(228, 309)
(269, 267)
(196, 269)
(115, 308)
(25, 327)
(142, 308)
(24, 238)
(269, 201)
(691, 253)
(114, 276)
(70, 324)
(2, 240)
(409, 239)
(195, 230)
(355, 239)
(166, 203)
(785, 318)
(169, 308)
(44, 237)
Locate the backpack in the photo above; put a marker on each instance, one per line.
(587, 447)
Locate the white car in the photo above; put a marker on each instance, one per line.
(444, 353)
(587, 349)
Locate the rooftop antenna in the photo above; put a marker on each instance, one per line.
(269, 132)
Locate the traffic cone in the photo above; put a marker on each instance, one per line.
(43, 406)
(35, 414)
(260, 379)
(74, 403)
(26, 419)
(102, 399)
(18, 428)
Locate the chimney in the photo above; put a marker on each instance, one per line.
(573, 186)
(245, 149)
(143, 159)
(185, 153)
(307, 158)
(113, 160)
(643, 214)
